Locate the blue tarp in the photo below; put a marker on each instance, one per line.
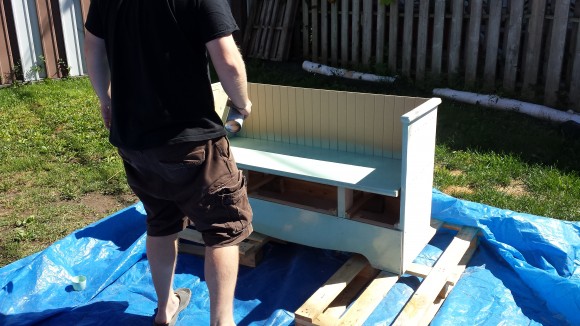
(525, 271)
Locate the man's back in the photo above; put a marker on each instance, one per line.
(160, 85)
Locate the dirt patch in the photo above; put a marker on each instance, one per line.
(456, 173)
(458, 190)
(516, 188)
(103, 205)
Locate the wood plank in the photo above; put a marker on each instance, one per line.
(533, 48)
(425, 295)
(422, 40)
(455, 38)
(381, 25)
(284, 115)
(393, 35)
(367, 23)
(472, 48)
(334, 33)
(407, 38)
(276, 113)
(438, 29)
(362, 308)
(300, 133)
(493, 29)
(360, 123)
(344, 32)
(271, 30)
(389, 120)
(308, 117)
(556, 55)
(316, 118)
(351, 121)
(355, 37)
(6, 64)
(316, 304)
(399, 110)
(248, 33)
(292, 116)
(514, 31)
(287, 30)
(262, 113)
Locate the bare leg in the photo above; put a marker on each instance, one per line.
(162, 256)
(221, 272)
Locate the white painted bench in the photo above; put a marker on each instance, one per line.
(339, 170)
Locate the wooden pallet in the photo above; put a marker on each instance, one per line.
(250, 249)
(328, 305)
(269, 29)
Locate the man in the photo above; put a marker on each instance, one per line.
(147, 62)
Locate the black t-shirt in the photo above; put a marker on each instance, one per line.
(160, 84)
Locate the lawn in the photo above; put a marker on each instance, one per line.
(59, 173)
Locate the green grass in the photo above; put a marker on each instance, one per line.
(59, 173)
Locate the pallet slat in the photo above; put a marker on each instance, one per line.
(351, 295)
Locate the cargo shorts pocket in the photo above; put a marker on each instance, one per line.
(226, 205)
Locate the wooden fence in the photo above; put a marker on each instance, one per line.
(529, 49)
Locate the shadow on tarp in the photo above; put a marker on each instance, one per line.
(101, 313)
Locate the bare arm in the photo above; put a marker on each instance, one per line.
(99, 74)
(231, 70)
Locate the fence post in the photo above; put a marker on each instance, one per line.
(6, 64)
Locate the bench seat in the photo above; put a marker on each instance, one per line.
(342, 169)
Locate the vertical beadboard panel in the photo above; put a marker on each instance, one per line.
(389, 125)
(325, 119)
(292, 116)
(284, 115)
(342, 120)
(379, 125)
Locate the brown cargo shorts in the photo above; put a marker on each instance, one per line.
(198, 181)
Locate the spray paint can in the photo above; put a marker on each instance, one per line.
(235, 119)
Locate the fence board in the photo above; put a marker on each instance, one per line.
(407, 37)
(455, 37)
(438, 29)
(534, 47)
(513, 44)
(472, 47)
(334, 33)
(324, 31)
(355, 30)
(380, 53)
(367, 23)
(48, 35)
(315, 28)
(491, 47)
(422, 39)
(556, 55)
(344, 46)
(393, 35)
(575, 82)
(6, 64)
(306, 27)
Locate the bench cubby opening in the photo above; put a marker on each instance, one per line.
(375, 209)
(292, 192)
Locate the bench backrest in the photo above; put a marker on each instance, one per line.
(347, 121)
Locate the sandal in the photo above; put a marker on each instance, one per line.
(184, 296)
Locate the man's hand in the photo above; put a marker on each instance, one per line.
(106, 113)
